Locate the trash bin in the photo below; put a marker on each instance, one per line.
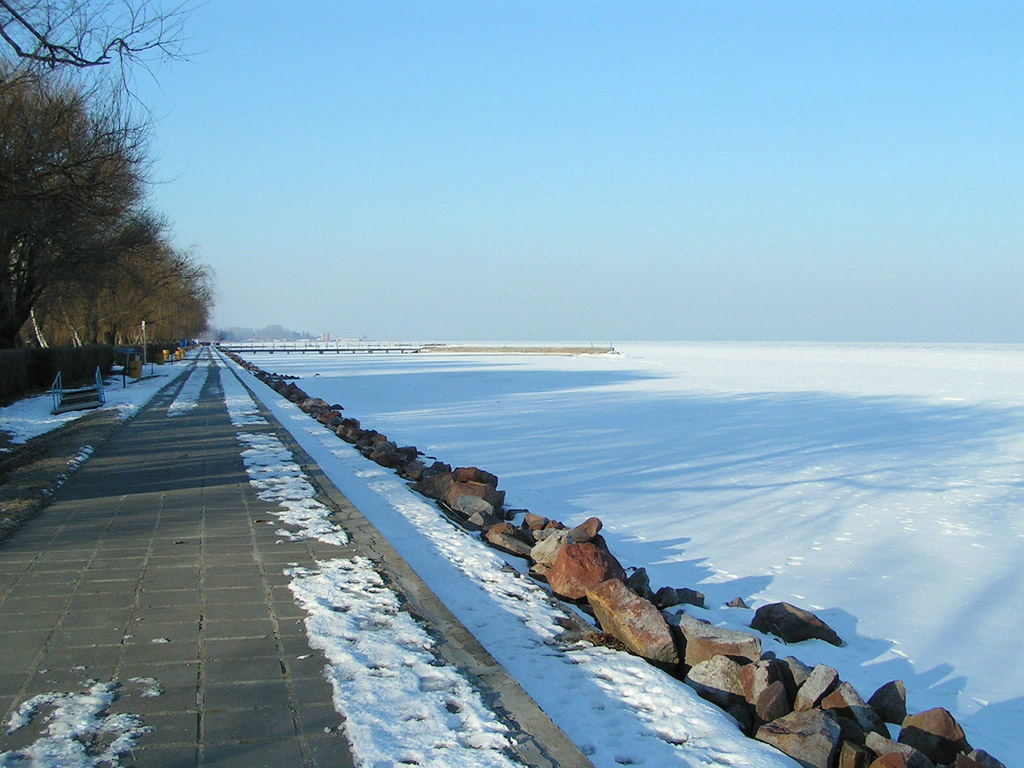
(135, 369)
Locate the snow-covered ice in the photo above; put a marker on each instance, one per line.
(879, 485)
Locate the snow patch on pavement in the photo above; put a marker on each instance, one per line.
(78, 733)
(188, 396)
(401, 705)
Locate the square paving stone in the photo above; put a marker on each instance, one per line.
(219, 671)
(246, 695)
(161, 757)
(170, 728)
(219, 628)
(247, 725)
(236, 611)
(173, 699)
(156, 652)
(331, 751)
(241, 648)
(264, 754)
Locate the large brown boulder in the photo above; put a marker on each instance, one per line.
(578, 567)
(935, 733)
(633, 621)
(586, 531)
(811, 738)
(792, 624)
(474, 475)
(703, 641)
(488, 493)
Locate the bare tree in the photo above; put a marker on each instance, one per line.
(84, 34)
(71, 184)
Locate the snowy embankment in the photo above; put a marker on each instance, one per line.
(879, 485)
(615, 707)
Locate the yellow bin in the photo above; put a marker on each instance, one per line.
(135, 369)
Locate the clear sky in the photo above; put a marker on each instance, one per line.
(602, 171)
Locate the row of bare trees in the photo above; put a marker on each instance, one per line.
(83, 259)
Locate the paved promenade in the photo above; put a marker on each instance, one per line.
(157, 569)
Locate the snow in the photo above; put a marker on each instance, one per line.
(78, 733)
(615, 707)
(188, 396)
(879, 485)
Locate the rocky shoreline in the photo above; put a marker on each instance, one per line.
(810, 714)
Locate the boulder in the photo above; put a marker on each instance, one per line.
(386, 455)
(737, 602)
(586, 531)
(792, 624)
(887, 748)
(312, 403)
(474, 475)
(504, 536)
(546, 550)
(534, 522)
(935, 733)
(481, 520)
(811, 738)
(794, 674)
(486, 492)
(980, 757)
(472, 505)
(703, 641)
(844, 701)
(771, 703)
(633, 621)
(554, 525)
(854, 756)
(890, 702)
(666, 597)
(578, 567)
(413, 470)
(718, 680)
(756, 677)
(819, 684)
(434, 485)
(638, 581)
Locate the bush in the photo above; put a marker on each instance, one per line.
(28, 371)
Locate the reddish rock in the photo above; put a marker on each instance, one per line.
(413, 470)
(792, 624)
(703, 641)
(474, 475)
(756, 677)
(884, 747)
(554, 525)
(486, 492)
(505, 537)
(819, 684)
(633, 621)
(737, 602)
(578, 567)
(844, 701)
(890, 702)
(771, 703)
(811, 737)
(434, 485)
(982, 758)
(935, 733)
(586, 530)
(718, 680)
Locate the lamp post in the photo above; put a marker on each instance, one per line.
(143, 342)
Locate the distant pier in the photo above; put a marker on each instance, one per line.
(407, 348)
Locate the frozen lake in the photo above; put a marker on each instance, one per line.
(879, 485)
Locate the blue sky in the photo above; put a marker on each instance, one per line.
(602, 171)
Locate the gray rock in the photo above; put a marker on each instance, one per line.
(883, 746)
(546, 550)
(718, 680)
(638, 581)
(844, 701)
(890, 702)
